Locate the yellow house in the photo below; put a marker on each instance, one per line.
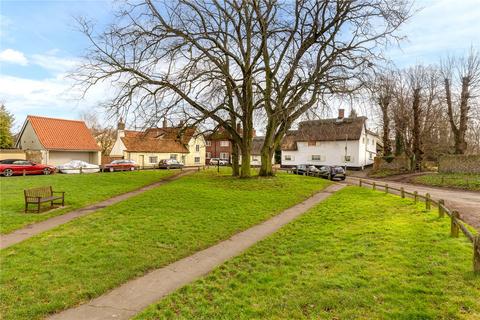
(148, 147)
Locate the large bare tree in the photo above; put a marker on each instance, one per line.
(228, 60)
(462, 86)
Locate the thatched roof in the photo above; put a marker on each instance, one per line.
(324, 130)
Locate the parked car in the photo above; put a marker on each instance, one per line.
(218, 161)
(120, 165)
(78, 166)
(333, 172)
(170, 164)
(17, 167)
(304, 168)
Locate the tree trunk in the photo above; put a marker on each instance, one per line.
(460, 142)
(235, 160)
(246, 148)
(266, 169)
(417, 152)
(387, 149)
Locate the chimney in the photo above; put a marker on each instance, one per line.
(165, 125)
(121, 128)
(341, 113)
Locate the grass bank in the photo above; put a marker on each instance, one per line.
(450, 180)
(91, 255)
(358, 255)
(80, 190)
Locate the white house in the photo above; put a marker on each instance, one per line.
(148, 147)
(58, 140)
(339, 141)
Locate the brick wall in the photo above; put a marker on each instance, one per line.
(459, 164)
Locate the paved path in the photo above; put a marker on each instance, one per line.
(31, 230)
(467, 203)
(134, 296)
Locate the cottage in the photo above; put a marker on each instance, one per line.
(148, 147)
(57, 141)
(337, 141)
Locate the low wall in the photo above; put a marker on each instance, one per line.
(459, 164)
(399, 163)
(12, 154)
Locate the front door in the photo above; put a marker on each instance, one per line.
(142, 161)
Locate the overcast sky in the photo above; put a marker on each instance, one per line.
(39, 44)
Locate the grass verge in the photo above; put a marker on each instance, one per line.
(358, 255)
(81, 190)
(91, 255)
(450, 180)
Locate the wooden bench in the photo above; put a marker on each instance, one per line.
(40, 195)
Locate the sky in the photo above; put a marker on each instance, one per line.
(40, 44)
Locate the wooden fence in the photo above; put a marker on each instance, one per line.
(455, 223)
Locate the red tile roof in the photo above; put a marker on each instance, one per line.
(61, 134)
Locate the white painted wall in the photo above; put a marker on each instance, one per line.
(29, 139)
(118, 146)
(60, 157)
(193, 153)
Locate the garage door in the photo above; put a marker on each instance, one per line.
(60, 157)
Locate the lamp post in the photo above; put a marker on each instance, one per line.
(345, 158)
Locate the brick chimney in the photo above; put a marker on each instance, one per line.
(121, 128)
(341, 113)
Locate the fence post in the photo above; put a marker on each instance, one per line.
(427, 201)
(402, 192)
(441, 211)
(476, 254)
(453, 224)
(386, 187)
(360, 183)
(81, 170)
(374, 187)
(415, 196)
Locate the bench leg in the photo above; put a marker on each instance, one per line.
(38, 208)
(26, 207)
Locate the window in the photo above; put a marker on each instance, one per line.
(197, 159)
(224, 155)
(208, 143)
(347, 158)
(197, 147)
(209, 155)
(316, 157)
(288, 157)
(255, 158)
(368, 141)
(363, 140)
(224, 143)
(370, 155)
(373, 142)
(312, 143)
(153, 159)
(173, 156)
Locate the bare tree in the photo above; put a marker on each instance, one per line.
(104, 135)
(227, 60)
(461, 75)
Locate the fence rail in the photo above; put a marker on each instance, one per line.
(455, 223)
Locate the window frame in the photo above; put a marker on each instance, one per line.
(224, 143)
(152, 157)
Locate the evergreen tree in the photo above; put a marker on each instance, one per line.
(6, 121)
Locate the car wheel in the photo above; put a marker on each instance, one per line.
(46, 171)
(8, 172)
(111, 169)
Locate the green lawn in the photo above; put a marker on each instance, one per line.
(90, 255)
(451, 180)
(81, 190)
(359, 255)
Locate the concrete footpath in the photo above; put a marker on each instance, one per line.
(31, 230)
(135, 295)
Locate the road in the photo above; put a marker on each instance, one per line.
(467, 203)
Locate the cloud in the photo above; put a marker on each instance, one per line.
(13, 56)
(51, 62)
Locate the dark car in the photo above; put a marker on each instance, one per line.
(10, 161)
(120, 165)
(305, 169)
(18, 167)
(170, 164)
(332, 172)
